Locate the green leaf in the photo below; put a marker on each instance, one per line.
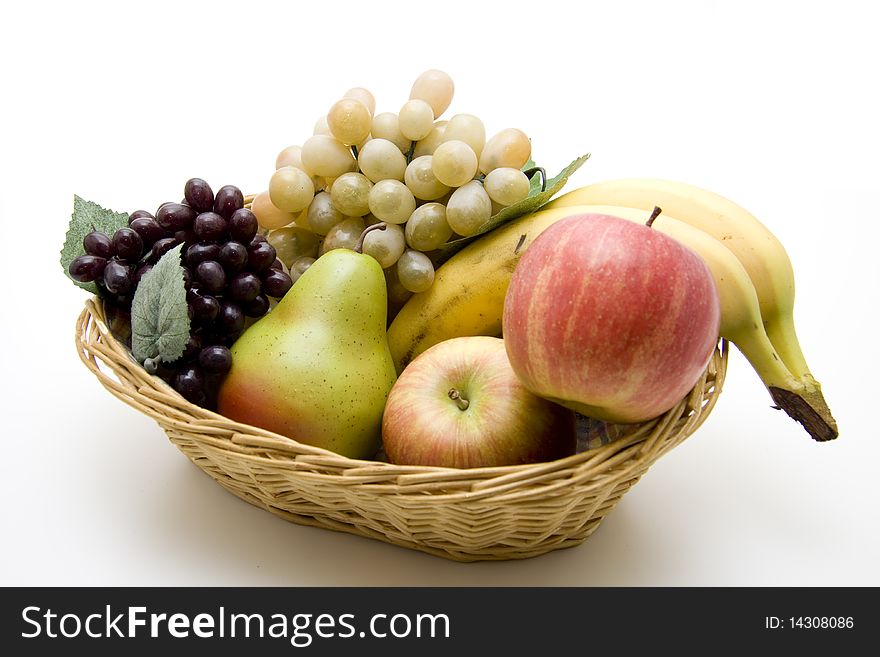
(88, 216)
(531, 203)
(159, 320)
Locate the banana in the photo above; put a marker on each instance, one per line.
(763, 257)
(467, 297)
(760, 252)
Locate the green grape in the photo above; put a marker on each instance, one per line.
(419, 177)
(386, 246)
(350, 194)
(292, 242)
(387, 126)
(379, 159)
(391, 201)
(397, 294)
(349, 120)
(289, 157)
(324, 155)
(322, 215)
(467, 128)
(469, 208)
(435, 88)
(322, 127)
(506, 185)
(291, 189)
(427, 145)
(363, 95)
(292, 157)
(416, 119)
(344, 235)
(298, 267)
(268, 216)
(415, 271)
(427, 227)
(508, 148)
(454, 163)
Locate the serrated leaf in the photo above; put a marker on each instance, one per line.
(531, 203)
(159, 320)
(87, 216)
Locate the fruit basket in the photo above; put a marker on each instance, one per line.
(496, 513)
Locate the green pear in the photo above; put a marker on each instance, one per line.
(317, 368)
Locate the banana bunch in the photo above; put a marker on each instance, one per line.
(751, 269)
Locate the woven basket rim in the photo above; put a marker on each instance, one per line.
(92, 318)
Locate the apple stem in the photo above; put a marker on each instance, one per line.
(654, 214)
(359, 247)
(455, 396)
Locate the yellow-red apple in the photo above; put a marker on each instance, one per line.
(460, 405)
(610, 318)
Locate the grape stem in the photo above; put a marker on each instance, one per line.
(531, 172)
(359, 247)
(354, 151)
(410, 152)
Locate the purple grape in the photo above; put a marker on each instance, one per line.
(209, 226)
(98, 244)
(277, 264)
(117, 277)
(140, 272)
(187, 236)
(244, 287)
(276, 283)
(233, 256)
(258, 307)
(128, 244)
(175, 216)
(230, 319)
(227, 200)
(261, 255)
(197, 253)
(215, 359)
(190, 383)
(198, 195)
(211, 276)
(148, 229)
(243, 225)
(86, 268)
(139, 214)
(162, 246)
(192, 348)
(205, 309)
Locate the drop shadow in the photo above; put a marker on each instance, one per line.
(236, 543)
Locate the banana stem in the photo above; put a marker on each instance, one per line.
(800, 402)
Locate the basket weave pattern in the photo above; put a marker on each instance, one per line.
(475, 514)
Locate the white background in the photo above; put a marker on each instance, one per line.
(771, 104)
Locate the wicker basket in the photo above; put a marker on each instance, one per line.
(508, 512)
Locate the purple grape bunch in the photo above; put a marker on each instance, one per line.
(230, 273)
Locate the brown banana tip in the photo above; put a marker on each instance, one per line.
(810, 410)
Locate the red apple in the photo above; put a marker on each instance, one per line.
(610, 318)
(459, 404)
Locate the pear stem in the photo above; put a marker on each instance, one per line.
(455, 396)
(359, 247)
(654, 214)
